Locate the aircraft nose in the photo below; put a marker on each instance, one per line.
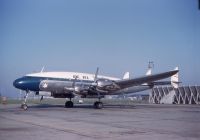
(18, 83)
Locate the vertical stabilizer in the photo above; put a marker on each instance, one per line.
(149, 72)
(150, 66)
(126, 75)
(175, 79)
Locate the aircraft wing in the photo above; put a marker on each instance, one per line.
(145, 79)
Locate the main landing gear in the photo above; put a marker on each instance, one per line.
(98, 104)
(69, 104)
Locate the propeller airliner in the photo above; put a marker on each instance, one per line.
(71, 84)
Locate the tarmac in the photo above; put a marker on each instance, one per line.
(140, 121)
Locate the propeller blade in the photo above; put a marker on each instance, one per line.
(96, 74)
(41, 98)
(42, 70)
(74, 82)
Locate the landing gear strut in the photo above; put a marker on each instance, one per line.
(24, 105)
(69, 104)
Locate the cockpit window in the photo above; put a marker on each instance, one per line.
(27, 77)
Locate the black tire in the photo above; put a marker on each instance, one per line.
(95, 104)
(69, 104)
(98, 105)
(24, 106)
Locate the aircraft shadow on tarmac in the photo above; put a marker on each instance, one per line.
(82, 106)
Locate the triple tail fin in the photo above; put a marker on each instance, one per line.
(149, 72)
(126, 75)
(175, 79)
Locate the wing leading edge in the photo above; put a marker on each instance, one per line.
(145, 79)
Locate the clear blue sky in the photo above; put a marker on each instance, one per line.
(117, 36)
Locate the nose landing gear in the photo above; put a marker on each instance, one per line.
(24, 105)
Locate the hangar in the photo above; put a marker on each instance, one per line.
(170, 95)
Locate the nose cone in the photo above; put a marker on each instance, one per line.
(27, 83)
(18, 83)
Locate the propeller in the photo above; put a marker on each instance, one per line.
(74, 86)
(42, 70)
(42, 97)
(95, 77)
(74, 82)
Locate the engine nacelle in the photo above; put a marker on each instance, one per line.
(107, 85)
(103, 83)
(81, 89)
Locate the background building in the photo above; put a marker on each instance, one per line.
(181, 95)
